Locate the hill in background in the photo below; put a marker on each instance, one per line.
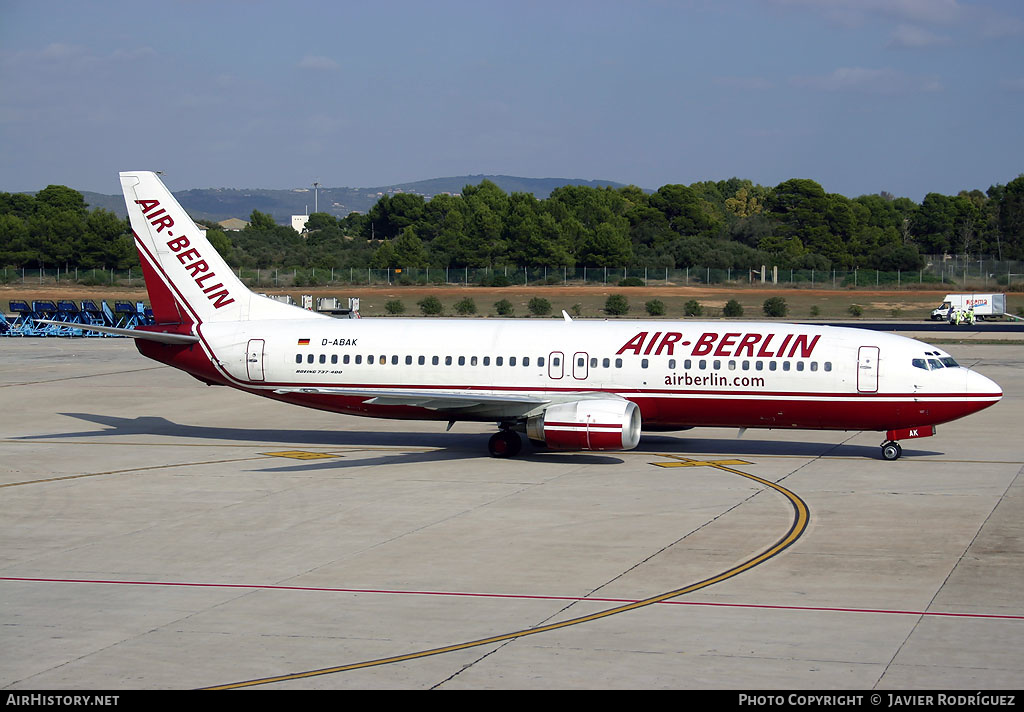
(218, 204)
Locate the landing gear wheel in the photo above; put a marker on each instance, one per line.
(891, 450)
(505, 443)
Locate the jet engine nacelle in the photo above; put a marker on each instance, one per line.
(599, 424)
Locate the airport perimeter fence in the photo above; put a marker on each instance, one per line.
(941, 272)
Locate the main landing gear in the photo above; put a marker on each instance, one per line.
(505, 443)
(891, 450)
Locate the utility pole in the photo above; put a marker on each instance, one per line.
(316, 196)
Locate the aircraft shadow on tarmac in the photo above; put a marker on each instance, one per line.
(452, 445)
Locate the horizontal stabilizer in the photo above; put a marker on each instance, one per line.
(164, 337)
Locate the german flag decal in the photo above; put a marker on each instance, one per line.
(303, 342)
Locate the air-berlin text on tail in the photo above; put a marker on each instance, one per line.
(189, 256)
(712, 343)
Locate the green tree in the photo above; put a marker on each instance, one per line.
(775, 307)
(655, 307)
(465, 306)
(693, 308)
(539, 306)
(616, 305)
(504, 307)
(732, 308)
(409, 250)
(431, 306)
(260, 221)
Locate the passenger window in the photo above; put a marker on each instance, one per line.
(511, 360)
(421, 360)
(369, 359)
(746, 365)
(298, 358)
(643, 363)
(702, 364)
(309, 359)
(814, 365)
(345, 359)
(785, 365)
(606, 363)
(758, 365)
(686, 364)
(717, 364)
(447, 360)
(498, 361)
(555, 361)
(732, 365)
(334, 358)
(323, 358)
(487, 360)
(618, 363)
(672, 363)
(799, 365)
(359, 359)
(408, 360)
(828, 365)
(462, 360)
(435, 360)
(773, 365)
(540, 360)
(526, 360)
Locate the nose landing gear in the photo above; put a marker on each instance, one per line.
(891, 450)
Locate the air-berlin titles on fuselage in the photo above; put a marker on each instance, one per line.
(188, 256)
(723, 344)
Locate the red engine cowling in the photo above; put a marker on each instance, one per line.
(599, 424)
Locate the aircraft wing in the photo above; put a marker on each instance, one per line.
(455, 402)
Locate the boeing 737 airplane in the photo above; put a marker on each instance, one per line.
(571, 385)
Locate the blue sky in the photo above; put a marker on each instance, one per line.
(906, 96)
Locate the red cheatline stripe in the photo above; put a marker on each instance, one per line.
(260, 587)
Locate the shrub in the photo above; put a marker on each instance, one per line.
(465, 306)
(394, 306)
(631, 282)
(616, 305)
(576, 309)
(539, 306)
(733, 308)
(655, 307)
(504, 308)
(815, 310)
(692, 308)
(855, 310)
(430, 306)
(775, 306)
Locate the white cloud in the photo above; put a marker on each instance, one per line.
(916, 37)
(318, 63)
(745, 83)
(869, 81)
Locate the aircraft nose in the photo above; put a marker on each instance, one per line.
(980, 385)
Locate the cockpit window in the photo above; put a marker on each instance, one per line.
(932, 364)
